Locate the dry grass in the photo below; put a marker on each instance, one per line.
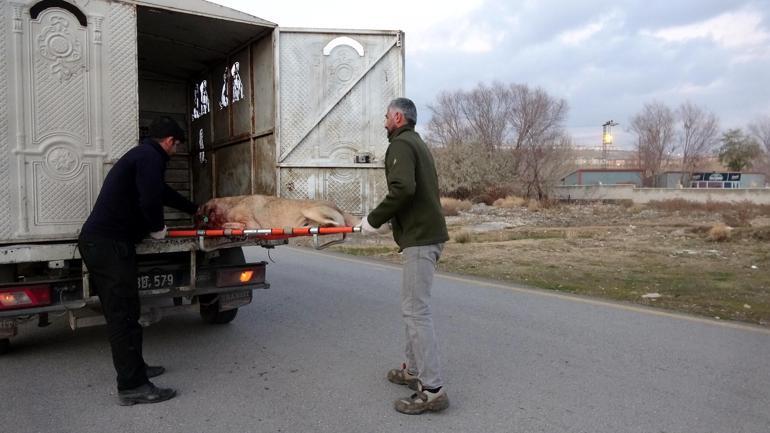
(510, 201)
(697, 263)
(719, 233)
(533, 205)
(733, 214)
(721, 207)
(452, 206)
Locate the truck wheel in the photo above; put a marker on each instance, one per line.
(5, 344)
(210, 311)
(211, 314)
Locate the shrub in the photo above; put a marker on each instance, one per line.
(460, 193)
(492, 193)
(740, 214)
(452, 206)
(719, 233)
(462, 237)
(761, 234)
(675, 204)
(509, 202)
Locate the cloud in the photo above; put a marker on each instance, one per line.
(463, 36)
(740, 31)
(580, 35)
(606, 58)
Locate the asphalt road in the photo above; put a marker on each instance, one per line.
(310, 355)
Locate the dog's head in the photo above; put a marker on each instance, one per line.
(201, 218)
(210, 215)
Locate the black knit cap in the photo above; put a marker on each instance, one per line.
(165, 126)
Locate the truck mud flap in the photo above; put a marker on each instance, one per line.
(8, 328)
(232, 300)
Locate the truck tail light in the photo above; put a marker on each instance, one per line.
(25, 297)
(240, 276)
(246, 276)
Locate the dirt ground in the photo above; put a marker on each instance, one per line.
(640, 254)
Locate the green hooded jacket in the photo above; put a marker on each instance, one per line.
(412, 204)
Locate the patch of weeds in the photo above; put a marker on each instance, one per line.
(721, 276)
(374, 250)
(510, 201)
(760, 233)
(518, 235)
(699, 230)
(452, 206)
(719, 233)
(463, 237)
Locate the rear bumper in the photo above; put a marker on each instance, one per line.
(93, 301)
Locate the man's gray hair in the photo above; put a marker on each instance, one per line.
(406, 107)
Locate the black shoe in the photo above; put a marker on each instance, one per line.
(147, 393)
(154, 371)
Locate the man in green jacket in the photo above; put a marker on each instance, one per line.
(413, 209)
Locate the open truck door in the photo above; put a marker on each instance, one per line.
(333, 90)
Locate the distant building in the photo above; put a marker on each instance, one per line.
(592, 158)
(712, 179)
(599, 176)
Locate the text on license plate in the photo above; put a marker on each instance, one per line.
(155, 280)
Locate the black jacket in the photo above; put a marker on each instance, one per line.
(130, 203)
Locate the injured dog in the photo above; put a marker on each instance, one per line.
(264, 211)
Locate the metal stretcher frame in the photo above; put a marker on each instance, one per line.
(268, 233)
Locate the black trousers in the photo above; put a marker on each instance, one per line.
(112, 271)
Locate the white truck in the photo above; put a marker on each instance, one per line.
(290, 112)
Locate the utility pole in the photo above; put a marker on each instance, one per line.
(607, 140)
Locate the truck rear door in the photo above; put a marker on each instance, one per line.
(333, 89)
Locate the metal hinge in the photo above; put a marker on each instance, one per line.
(398, 39)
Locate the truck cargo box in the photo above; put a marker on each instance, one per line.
(267, 110)
(289, 112)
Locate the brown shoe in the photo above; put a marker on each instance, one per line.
(402, 376)
(423, 401)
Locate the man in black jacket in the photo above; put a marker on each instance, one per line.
(129, 207)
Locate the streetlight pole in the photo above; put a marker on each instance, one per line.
(607, 140)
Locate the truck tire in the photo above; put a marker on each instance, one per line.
(5, 344)
(211, 314)
(210, 311)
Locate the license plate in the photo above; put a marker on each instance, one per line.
(155, 280)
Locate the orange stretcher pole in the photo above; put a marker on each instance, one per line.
(273, 233)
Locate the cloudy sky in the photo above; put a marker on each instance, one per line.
(605, 58)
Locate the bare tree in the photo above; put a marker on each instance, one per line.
(543, 163)
(460, 132)
(760, 130)
(654, 128)
(697, 138)
(495, 135)
(535, 115)
(485, 109)
(448, 125)
(540, 144)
